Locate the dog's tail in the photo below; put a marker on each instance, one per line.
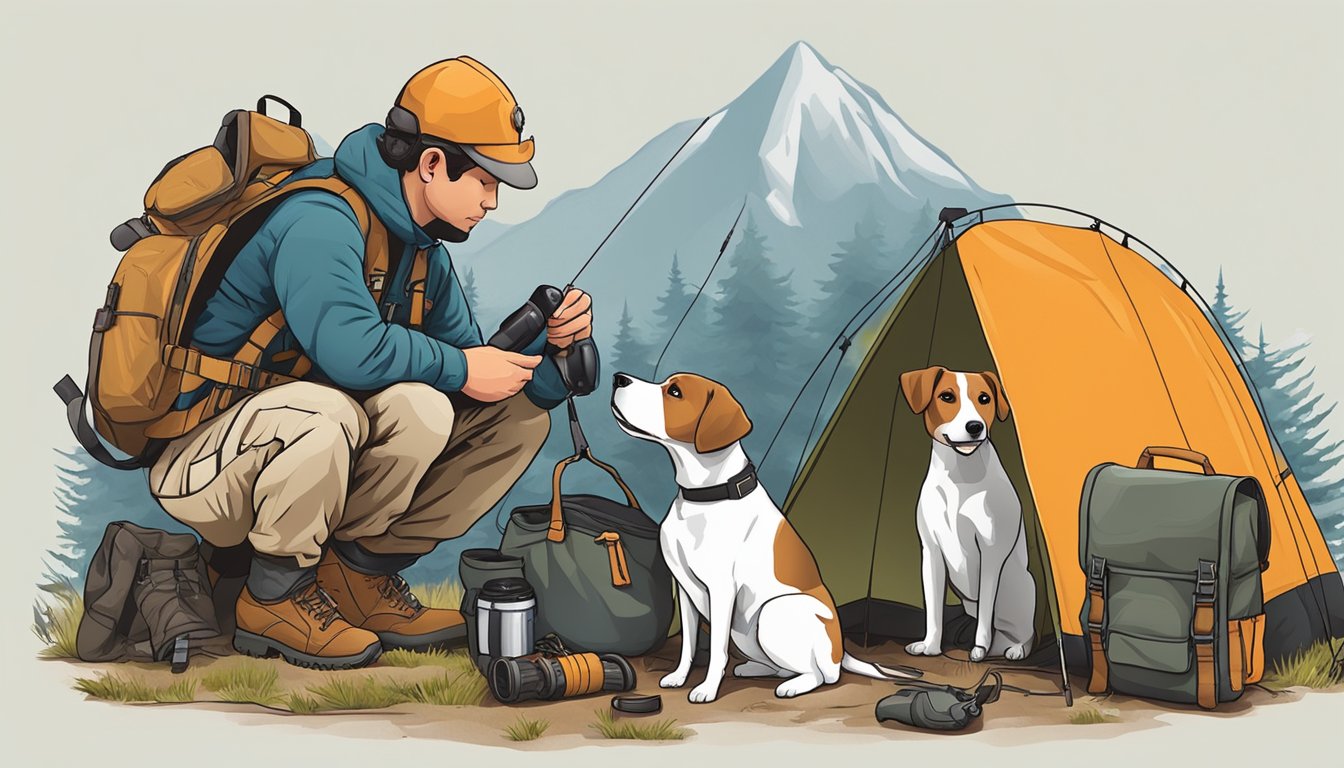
(879, 671)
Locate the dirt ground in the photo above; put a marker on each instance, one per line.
(846, 708)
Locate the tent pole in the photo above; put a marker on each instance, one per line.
(1051, 599)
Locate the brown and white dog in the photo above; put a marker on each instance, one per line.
(736, 560)
(969, 517)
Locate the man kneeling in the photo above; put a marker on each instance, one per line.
(405, 429)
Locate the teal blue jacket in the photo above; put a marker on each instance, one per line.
(307, 260)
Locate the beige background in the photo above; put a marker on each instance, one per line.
(1211, 130)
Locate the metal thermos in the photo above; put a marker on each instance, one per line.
(506, 612)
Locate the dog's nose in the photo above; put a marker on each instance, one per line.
(621, 380)
(975, 428)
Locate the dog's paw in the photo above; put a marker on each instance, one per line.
(704, 693)
(674, 679)
(924, 648)
(796, 686)
(1015, 653)
(978, 653)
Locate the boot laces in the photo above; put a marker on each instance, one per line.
(395, 589)
(319, 605)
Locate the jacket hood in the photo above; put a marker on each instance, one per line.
(358, 162)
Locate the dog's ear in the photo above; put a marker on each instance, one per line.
(1001, 407)
(918, 386)
(723, 422)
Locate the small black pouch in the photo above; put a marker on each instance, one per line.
(938, 707)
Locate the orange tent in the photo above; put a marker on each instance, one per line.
(1102, 353)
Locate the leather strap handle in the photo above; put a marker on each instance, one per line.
(1182, 454)
(556, 532)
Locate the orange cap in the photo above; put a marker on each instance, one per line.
(460, 100)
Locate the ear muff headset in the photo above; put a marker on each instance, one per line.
(402, 143)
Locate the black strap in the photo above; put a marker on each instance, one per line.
(575, 428)
(738, 485)
(74, 399)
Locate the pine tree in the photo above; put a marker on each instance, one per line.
(860, 267)
(630, 353)
(917, 235)
(754, 348)
(1229, 318)
(1295, 412)
(672, 304)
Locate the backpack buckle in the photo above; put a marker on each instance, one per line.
(106, 315)
(142, 570)
(1206, 581)
(1096, 573)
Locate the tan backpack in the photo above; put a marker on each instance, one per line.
(200, 210)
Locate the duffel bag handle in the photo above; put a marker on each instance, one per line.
(556, 532)
(1183, 454)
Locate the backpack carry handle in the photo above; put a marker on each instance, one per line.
(1182, 454)
(556, 532)
(295, 119)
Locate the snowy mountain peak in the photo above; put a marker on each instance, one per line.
(804, 57)
(818, 113)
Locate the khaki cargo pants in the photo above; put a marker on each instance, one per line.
(291, 466)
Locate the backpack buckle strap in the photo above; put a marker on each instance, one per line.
(1100, 681)
(181, 652)
(1203, 635)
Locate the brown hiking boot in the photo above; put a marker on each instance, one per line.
(306, 629)
(384, 605)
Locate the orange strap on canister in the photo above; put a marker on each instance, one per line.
(583, 673)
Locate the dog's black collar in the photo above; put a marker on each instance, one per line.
(738, 485)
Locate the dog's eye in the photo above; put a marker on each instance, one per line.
(948, 397)
(674, 391)
(984, 399)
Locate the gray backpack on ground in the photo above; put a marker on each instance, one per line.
(145, 598)
(1174, 608)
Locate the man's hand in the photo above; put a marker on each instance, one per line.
(573, 321)
(495, 374)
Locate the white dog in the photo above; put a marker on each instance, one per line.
(969, 518)
(736, 560)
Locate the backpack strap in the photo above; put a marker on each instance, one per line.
(242, 372)
(1096, 617)
(419, 278)
(1206, 679)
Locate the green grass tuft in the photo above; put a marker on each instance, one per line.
(1089, 716)
(1312, 667)
(526, 730)
(366, 692)
(111, 687)
(463, 689)
(249, 681)
(646, 730)
(455, 661)
(300, 704)
(56, 621)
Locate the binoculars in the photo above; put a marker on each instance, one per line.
(578, 364)
(547, 677)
